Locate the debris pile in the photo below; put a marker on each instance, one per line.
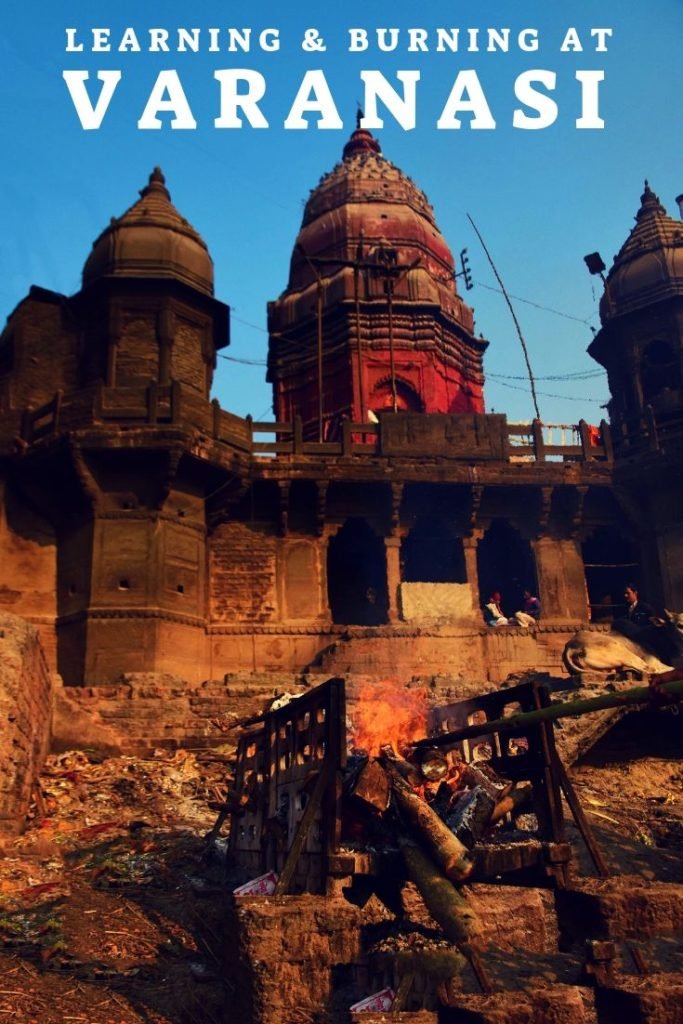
(99, 921)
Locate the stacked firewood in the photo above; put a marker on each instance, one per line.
(437, 807)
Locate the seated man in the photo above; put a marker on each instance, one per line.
(530, 611)
(493, 615)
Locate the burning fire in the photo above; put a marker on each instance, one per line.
(385, 713)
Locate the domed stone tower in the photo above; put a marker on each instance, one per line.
(641, 347)
(151, 240)
(107, 393)
(371, 319)
(641, 341)
(153, 274)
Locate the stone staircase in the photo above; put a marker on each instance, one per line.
(564, 957)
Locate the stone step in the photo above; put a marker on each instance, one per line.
(624, 907)
(654, 999)
(561, 1004)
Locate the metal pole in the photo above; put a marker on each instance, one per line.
(320, 357)
(392, 367)
(359, 344)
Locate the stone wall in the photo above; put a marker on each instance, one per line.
(25, 708)
(302, 958)
(243, 573)
(473, 654)
(447, 602)
(146, 710)
(28, 566)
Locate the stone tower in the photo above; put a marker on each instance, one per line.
(640, 345)
(371, 318)
(152, 274)
(641, 341)
(111, 388)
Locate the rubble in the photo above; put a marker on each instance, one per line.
(98, 918)
(114, 910)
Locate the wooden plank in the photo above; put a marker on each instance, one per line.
(303, 829)
(582, 822)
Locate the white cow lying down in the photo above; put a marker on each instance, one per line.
(612, 652)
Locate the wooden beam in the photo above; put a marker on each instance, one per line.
(303, 829)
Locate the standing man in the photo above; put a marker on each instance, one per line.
(638, 612)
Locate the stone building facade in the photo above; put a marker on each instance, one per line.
(143, 528)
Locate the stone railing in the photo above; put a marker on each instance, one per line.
(466, 436)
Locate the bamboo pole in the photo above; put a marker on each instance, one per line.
(568, 709)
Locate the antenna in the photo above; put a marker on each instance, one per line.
(512, 314)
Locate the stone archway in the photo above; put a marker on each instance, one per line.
(357, 576)
(611, 560)
(407, 398)
(505, 562)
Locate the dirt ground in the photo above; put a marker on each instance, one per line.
(106, 915)
(109, 910)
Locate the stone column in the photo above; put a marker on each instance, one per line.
(165, 329)
(393, 557)
(561, 579)
(469, 548)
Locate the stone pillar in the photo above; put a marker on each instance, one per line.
(165, 328)
(469, 548)
(666, 589)
(393, 556)
(561, 579)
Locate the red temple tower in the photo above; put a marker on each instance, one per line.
(371, 319)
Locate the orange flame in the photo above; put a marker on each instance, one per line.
(385, 713)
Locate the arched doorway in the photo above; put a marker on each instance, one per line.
(505, 563)
(382, 397)
(357, 576)
(611, 560)
(431, 554)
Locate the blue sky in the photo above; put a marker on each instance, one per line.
(542, 199)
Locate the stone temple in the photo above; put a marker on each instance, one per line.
(144, 529)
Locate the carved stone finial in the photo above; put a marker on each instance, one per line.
(157, 183)
(649, 203)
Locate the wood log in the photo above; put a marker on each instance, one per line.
(471, 815)
(438, 963)
(447, 906)
(519, 796)
(483, 775)
(373, 787)
(403, 993)
(657, 694)
(410, 772)
(454, 860)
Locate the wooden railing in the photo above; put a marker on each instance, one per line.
(567, 442)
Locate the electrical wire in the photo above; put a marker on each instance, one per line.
(573, 375)
(546, 394)
(537, 305)
(243, 362)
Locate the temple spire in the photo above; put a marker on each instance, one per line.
(156, 183)
(361, 141)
